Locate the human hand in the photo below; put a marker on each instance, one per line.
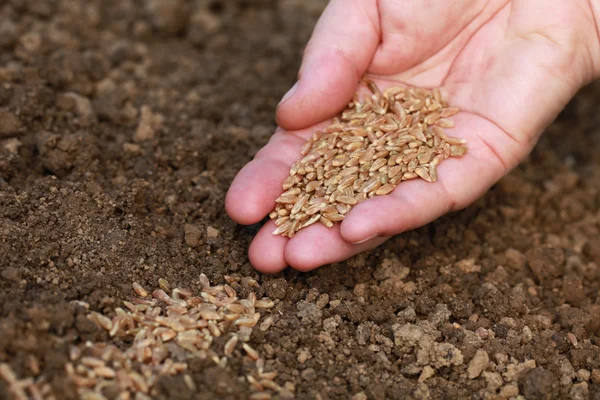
(509, 65)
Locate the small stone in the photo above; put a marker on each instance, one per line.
(478, 364)
(584, 374)
(192, 235)
(212, 233)
(309, 313)
(468, 266)
(546, 262)
(427, 373)
(8, 33)
(132, 148)
(11, 274)
(31, 42)
(363, 333)
(359, 290)
(360, 396)
(10, 125)
(515, 259)
(334, 303)
(493, 379)
(169, 17)
(592, 249)
(509, 391)
(440, 314)
(303, 355)
(527, 335)
(540, 383)
(322, 300)
(12, 145)
(482, 333)
(148, 125)
(203, 24)
(579, 391)
(83, 108)
(574, 290)
(309, 374)
(276, 289)
(596, 376)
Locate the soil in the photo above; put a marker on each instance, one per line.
(122, 124)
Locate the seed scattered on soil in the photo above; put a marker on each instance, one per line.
(391, 136)
(158, 328)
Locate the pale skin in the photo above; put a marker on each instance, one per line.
(509, 65)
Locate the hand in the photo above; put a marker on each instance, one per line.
(510, 66)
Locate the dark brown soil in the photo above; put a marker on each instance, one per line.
(89, 204)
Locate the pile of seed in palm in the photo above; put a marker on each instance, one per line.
(161, 331)
(391, 136)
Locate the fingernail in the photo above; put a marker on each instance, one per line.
(289, 94)
(367, 239)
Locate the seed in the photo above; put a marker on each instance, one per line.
(287, 199)
(347, 200)
(385, 189)
(445, 123)
(264, 303)
(312, 186)
(230, 345)
(448, 112)
(139, 290)
(266, 324)
(457, 151)
(423, 173)
(100, 320)
(283, 228)
(314, 209)
(92, 362)
(189, 382)
(164, 285)
(269, 384)
(105, 372)
(306, 148)
(325, 221)
(261, 396)
(432, 172)
(378, 164)
(204, 282)
(333, 217)
(74, 353)
(299, 204)
(214, 329)
(250, 351)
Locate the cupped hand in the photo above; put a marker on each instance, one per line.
(510, 66)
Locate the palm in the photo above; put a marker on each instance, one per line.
(492, 59)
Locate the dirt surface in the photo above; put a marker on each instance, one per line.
(122, 123)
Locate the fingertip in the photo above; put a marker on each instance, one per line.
(266, 252)
(242, 207)
(361, 224)
(304, 252)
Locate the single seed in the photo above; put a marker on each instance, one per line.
(139, 290)
(253, 354)
(164, 285)
(385, 189)
(347, 200)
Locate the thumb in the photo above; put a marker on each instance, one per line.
(336, 57)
